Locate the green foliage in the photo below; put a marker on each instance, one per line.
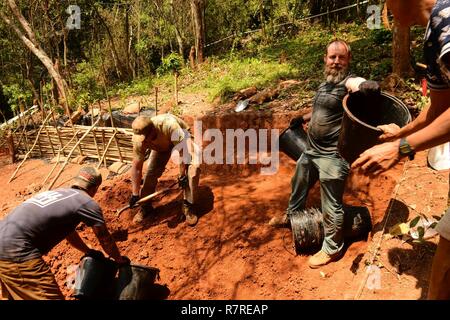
(222, 78)
(171, 63)
(87, 84)
(137, 87)
(14, 93)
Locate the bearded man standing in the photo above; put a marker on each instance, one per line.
(322, 161)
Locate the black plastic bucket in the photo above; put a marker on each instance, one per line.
(308, 231)
(135, 282)
(293, 142)
(362, 116)
(94, 279)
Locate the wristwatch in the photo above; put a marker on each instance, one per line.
(405, 149)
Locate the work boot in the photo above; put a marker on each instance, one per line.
(321, 258)
(191, 218)
(143, 213)
(280, 221)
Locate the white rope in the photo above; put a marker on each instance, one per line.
(377, 248)
(286, 23)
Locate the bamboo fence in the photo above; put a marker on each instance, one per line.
(94, 145)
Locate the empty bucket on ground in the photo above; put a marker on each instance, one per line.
(308, 231)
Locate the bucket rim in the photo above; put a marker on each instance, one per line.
(387, 95)
(289, 128)
(139, 266)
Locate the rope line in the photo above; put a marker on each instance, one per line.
(286, 23)
(377, 248)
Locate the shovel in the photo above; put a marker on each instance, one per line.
(146, 198)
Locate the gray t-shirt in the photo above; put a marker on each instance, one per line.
(326, 119)
(37, 225)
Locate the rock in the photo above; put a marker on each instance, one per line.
(287, 84)
(119, 167)
(263, 96)
(245, 93)
(134, 107)
(78, 160)
(61, 159)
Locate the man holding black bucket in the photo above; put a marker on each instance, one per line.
(321, 161)
(431, 127)
(36, 226)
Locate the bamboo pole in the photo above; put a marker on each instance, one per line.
(26, 156)
(156, 101)
(57, 160)
(56, 128)
(104, 152)
(104, 145)
(96, 144)
(39, 141)
(22, 136)
(70, 154)
(50, 141)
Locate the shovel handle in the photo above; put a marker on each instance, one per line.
(146, 199)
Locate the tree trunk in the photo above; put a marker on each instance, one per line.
(400, 51)
(197, 7)
(117, 62)
(34, 47)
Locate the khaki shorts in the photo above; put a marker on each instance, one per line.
(29, 280)
(440, 272)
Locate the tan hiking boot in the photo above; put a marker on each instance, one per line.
(191, 218)
(143, 213)
(321, 258)
(280, 221)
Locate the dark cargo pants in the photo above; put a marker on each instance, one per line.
(331, 171)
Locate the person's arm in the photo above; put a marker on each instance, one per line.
(107, 243)
(384, 156)
(136, 176)
(75, 241)
(440, 101)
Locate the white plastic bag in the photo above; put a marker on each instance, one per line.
(439, 157)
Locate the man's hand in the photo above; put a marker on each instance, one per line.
(95, 254)
(133, 200)
(369, 88)
(183, 181)
(378, 158)
(296, 122)
(390, 132)
(123, 261)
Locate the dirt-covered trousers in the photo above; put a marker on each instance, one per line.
(156, 166)
(29, 280)
(331, 171)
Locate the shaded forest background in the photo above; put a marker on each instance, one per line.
(218, 46)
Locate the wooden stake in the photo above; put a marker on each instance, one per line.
(39, 141)
(156, 101)
(104, 152)
(71, 152)
(104, 145)
(28, 153)
(57, 160)
(96, 144)
(12, 150)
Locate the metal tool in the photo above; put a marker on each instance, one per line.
(146, 198)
